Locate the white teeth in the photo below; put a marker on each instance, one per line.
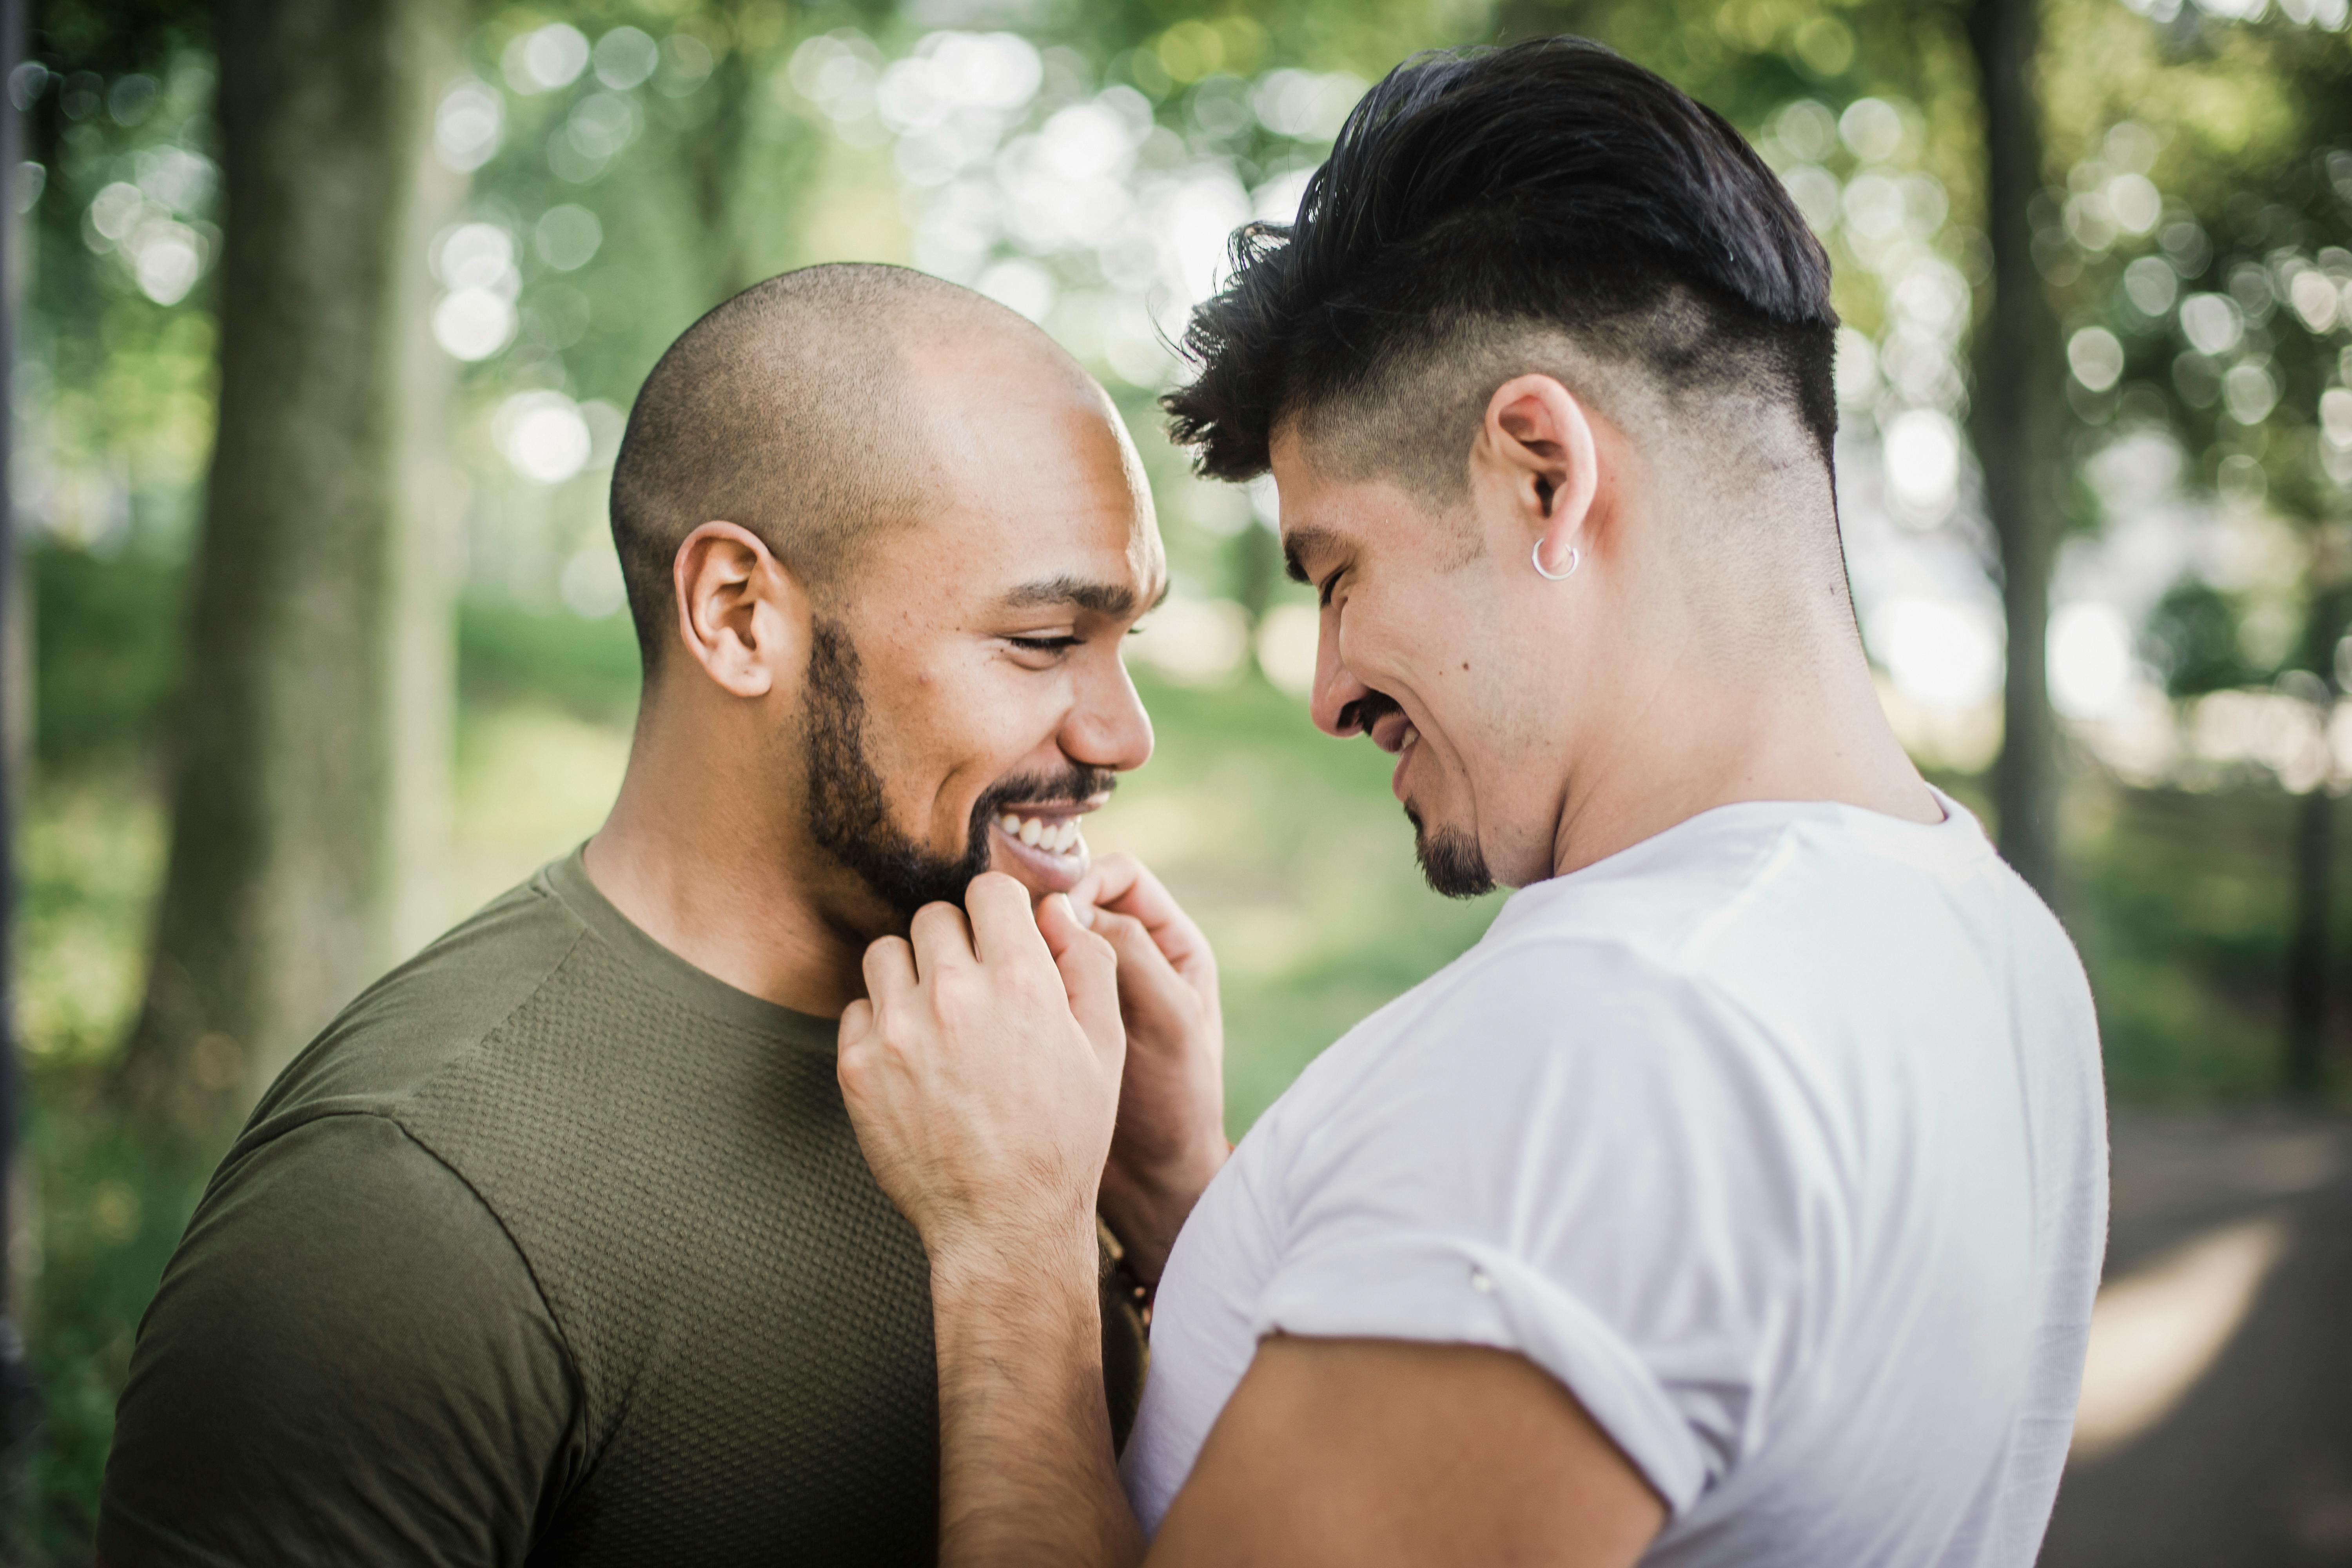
(1408, 738)
(1062, 838)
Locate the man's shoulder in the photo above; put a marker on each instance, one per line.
(407, 1028)
(347, 1360)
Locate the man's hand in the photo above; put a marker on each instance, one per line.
(981, 1072)
(1171, 1137)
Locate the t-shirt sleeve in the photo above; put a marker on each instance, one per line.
(1597, 1166)
(347, 1362)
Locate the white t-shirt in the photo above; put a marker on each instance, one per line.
(1779, 1138)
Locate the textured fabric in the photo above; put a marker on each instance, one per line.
(587, 1269)
(1776, 1138)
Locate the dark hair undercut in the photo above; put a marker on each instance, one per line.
(1473, 201)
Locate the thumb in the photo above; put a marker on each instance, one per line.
(1090, 975)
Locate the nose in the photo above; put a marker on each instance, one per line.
(1336, 687)
(1107, 726)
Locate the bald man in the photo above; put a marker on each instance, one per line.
(557, 1246)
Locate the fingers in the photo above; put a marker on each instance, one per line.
(1139, 955)
(1129, 888)
(1003, 927)
(1106, 880)
(889, 968)
(857, 1041)
(939, 936)
(1089, 975)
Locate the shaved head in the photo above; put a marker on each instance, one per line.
(795, 411)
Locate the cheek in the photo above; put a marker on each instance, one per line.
(957, 730)
(1475, 702)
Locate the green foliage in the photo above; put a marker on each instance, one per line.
(2184, 923)
(2228, 302)
(507, 654)
(116, 393)
(2192, 640)
(92, 855)
(113, 1203)
(106, 651)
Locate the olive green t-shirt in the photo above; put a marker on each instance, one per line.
(552, 1249)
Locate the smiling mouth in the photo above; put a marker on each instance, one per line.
(1395, 733)
(1046, 843)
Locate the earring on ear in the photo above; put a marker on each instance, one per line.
(1575, 559)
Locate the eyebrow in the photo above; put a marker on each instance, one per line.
(1299, 542)
(1113, 599)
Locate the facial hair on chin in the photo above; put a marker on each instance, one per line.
(848, 816)
(1450, 861)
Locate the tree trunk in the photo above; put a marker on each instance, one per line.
(2307, 966)
(278, 899)
(2309, 969)
(431, 498)
(2015, 417)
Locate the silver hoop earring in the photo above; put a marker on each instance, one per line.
(1575, 559)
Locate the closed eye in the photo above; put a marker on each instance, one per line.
(1046, 645)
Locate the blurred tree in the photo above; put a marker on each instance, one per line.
(2014, 418)
(278, 904)
(428, 498)
(2199, 232)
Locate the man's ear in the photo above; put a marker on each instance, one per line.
(742, 615)
(1537, 442)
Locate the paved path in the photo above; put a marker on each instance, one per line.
(2237, 1230)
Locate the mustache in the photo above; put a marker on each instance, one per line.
(1368, 711)
(1075, 786)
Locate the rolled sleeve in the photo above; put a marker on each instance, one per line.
(1434, 1288)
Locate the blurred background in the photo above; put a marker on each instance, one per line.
(331, 312)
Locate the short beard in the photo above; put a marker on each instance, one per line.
(1450, 859)
(849, 818)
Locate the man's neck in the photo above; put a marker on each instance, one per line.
(714, 890)
(1810, 730)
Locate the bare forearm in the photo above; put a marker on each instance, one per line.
(1147, 1209)
(1026, 1474)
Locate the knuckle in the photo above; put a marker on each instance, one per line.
(954, 991)
(1032, 988)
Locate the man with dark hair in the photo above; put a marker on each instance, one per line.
(557, 1246)
(1739, 1198)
